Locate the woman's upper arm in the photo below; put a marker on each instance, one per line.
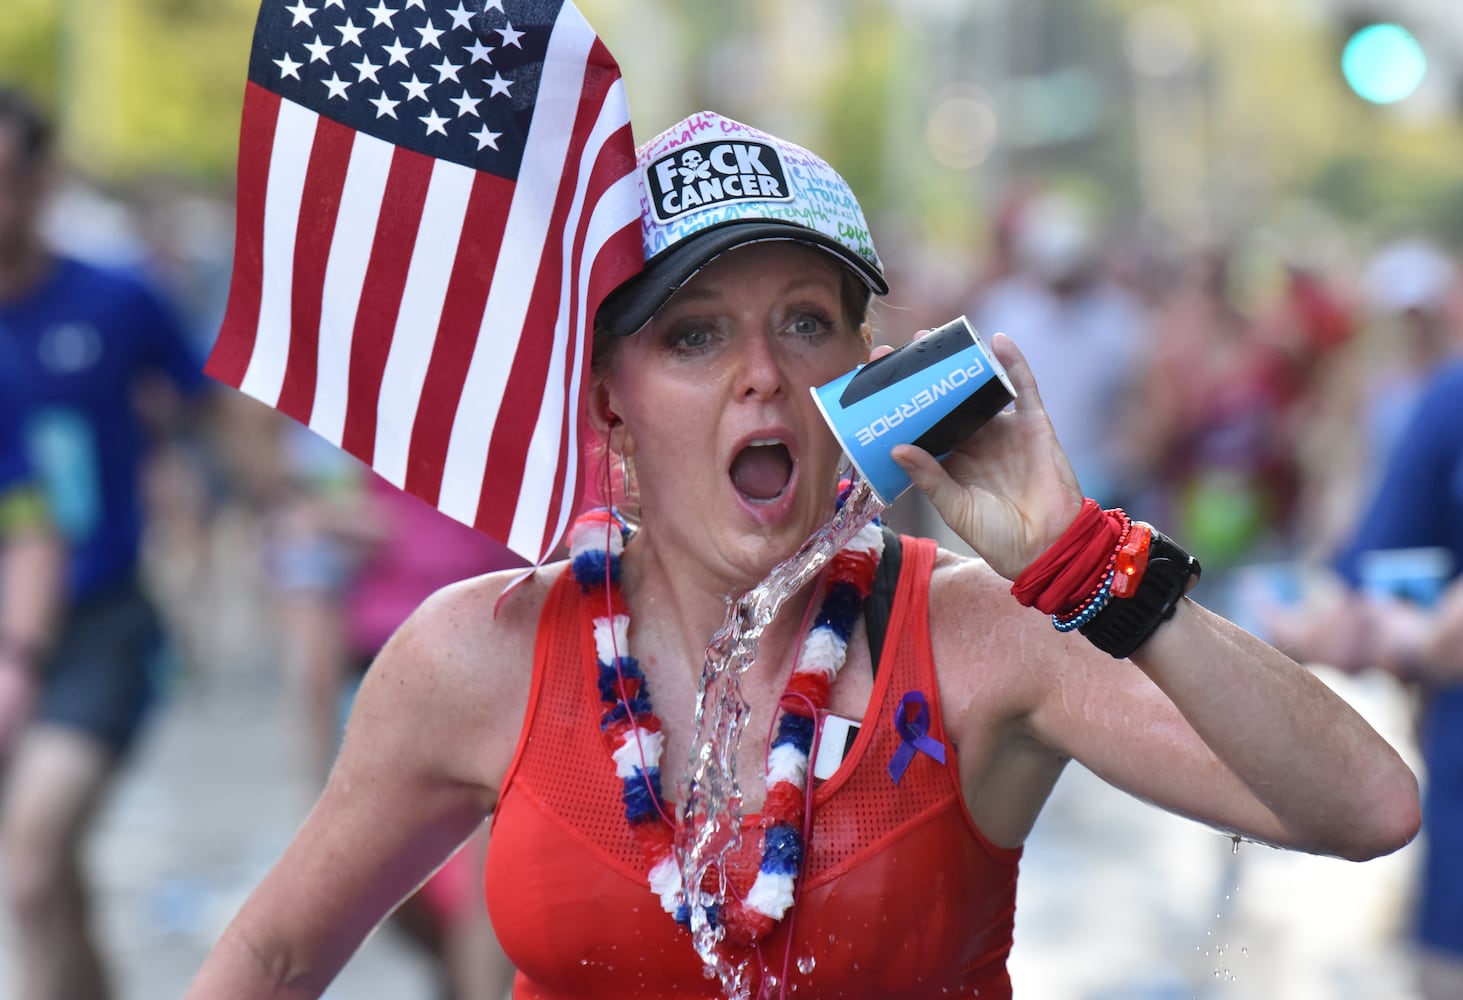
(1113, 719)
(1050, 697)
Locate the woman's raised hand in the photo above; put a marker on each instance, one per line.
(1008, 490)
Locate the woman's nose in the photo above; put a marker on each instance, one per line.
(759, 369)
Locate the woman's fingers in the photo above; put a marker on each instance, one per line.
(952, 500)
(1019, 372)
(921, 466)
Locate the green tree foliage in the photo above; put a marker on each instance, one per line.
(30, 49)
(139, 86)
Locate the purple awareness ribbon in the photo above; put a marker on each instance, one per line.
(913, 734)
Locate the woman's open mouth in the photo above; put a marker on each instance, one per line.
(762, 470)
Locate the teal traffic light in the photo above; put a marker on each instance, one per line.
(1383, 63)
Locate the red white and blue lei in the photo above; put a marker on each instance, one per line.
(635, 740)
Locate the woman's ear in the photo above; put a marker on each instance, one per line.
(603, 416)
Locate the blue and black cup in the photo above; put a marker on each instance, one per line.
(933, 392)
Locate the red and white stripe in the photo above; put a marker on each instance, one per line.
(432, 319)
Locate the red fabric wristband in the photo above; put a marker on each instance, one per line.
(1073, 566)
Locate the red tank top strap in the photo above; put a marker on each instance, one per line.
(862, 797)
(915, 653)
(910, 656)
(558, 637)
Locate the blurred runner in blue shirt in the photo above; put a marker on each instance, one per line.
(83, 346)
(1420, 638)
(1404, 615)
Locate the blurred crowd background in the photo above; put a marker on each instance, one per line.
(1225, 232)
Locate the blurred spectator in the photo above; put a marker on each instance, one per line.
(1402, 613)
(308, 565)
(187, 241)
(32, 562)
(1084, 336)
(97, 365)
(409, 550)
(1364, 394)
(1409, 287)
(1001, 260)
(1217, 426)
(1315, 318)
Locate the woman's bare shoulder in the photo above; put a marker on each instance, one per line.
(997, 663)
(965, 590)
(479, 622)
(983, 635)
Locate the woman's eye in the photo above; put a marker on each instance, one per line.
(690, 338)
(808, 325)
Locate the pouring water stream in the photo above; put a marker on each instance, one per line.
(711, 816)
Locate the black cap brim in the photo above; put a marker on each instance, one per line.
(630, 306)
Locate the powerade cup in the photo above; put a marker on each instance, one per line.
(933, 392)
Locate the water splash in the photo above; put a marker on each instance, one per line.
(711, 812)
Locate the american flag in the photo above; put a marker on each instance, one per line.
(432, 202)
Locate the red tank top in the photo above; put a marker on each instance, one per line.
(901, 896)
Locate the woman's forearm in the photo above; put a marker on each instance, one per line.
(1306, 754)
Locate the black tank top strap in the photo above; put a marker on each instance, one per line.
(881, 599)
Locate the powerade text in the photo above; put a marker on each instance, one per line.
(921, 400)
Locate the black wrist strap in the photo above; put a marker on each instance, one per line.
(1125, 623)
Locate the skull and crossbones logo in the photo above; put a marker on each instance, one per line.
(694, 166)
